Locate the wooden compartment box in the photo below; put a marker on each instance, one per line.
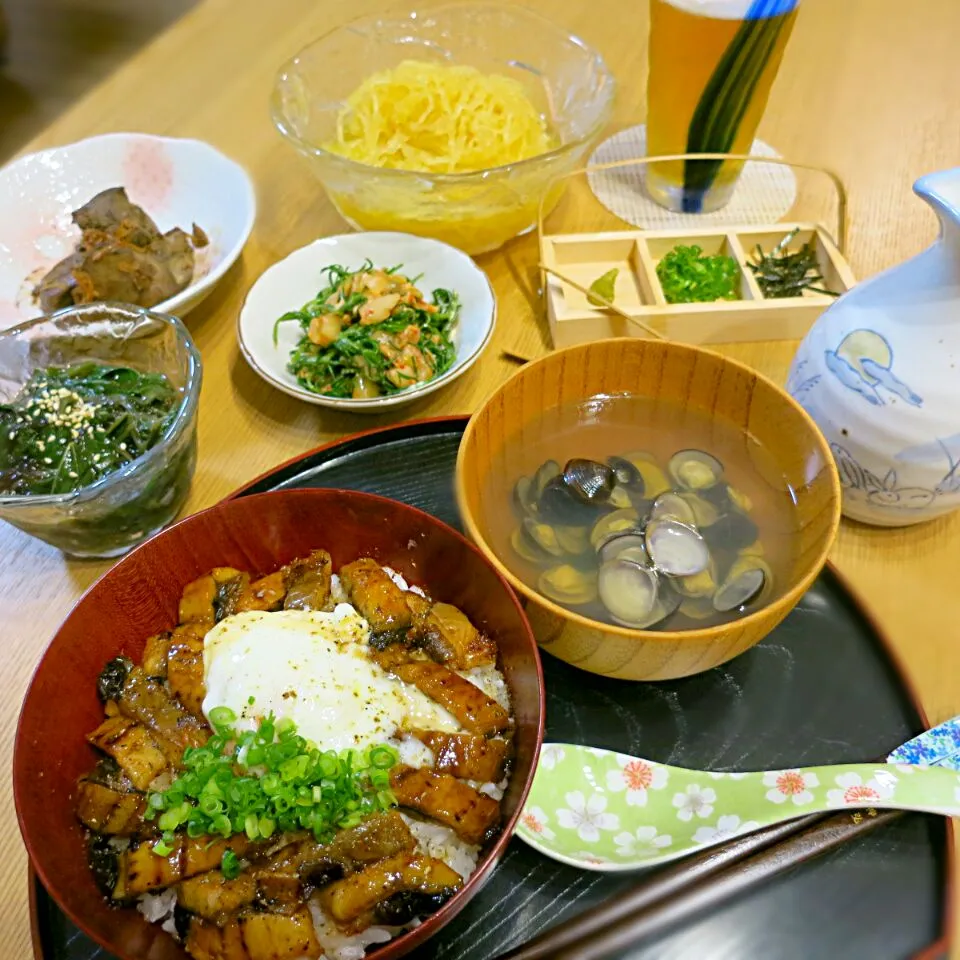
(583, 257)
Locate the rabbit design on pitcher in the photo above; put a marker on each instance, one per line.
(878, 373)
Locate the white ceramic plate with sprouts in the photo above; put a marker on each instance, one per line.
(296, 280)
(177, 182)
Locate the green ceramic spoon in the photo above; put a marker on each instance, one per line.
(607, 811)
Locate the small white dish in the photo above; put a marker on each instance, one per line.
(292, 282)
(177, 182)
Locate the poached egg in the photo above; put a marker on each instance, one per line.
(312, 668)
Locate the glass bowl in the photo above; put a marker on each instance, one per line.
(567, 81)
(107, 518)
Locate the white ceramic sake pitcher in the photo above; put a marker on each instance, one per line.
(880, 374)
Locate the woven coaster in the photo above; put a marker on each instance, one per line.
(764, 193)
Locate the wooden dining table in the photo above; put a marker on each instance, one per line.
(867, 88)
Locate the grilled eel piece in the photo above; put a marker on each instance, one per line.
(225, 591)
(289, 875)
(307, 582)
(477, 712)
(466, 755)
(211, 896)
(378, 599)
(185, 666)
(390, 891)
(140, 870)
(134, 747)
(443, 632)
(148, 702)
(154, 660)
(107, 810)
(450, 638)
(472, 815)
(255, 936)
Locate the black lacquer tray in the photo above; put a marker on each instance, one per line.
(821, 688)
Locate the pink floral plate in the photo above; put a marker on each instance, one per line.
(177, 182)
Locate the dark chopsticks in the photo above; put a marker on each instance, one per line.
(696, 884)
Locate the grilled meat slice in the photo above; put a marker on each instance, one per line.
(378, 599)
(466, 755)
(275, 936)
(450, 638)
(197, 601)
(477, 712)
(105, 810)
(237, 594)
(267, 593)
(308, 582)
(351, 902)
(379, 836)
(108, 773)
(207, 941)
(419, 611)
(133, 747)
(185, 667)
(155, 656)
(392, 656)
(289, 874)
(141, 870)
(215, 898)
(472, 815)
(201, 855)
(148, 702)
(278, 878)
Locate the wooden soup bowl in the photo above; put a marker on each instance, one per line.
(138, 597)
(694, 379)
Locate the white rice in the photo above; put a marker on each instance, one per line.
(412, 752)
(436, 840)
(159, 907)
(401, 583)
(337, 593)
(337, 946)
(490, 680)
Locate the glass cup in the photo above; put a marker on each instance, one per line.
(712, 63)
(109, 517)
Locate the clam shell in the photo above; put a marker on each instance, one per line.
(567, 584)
(628, 590)
(675, 548)
(695, 469)
(589, 480)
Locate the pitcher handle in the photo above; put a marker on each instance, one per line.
(941, 191)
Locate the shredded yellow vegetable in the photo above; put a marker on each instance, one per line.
(437, 118)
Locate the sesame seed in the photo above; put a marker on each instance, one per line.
(73, 474)
(123, 446)
(47, 460)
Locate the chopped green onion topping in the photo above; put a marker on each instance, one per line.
(267, 781)
(687, 275)
(222, 716)
(230, 865)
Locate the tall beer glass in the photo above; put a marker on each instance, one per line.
(712, 63)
